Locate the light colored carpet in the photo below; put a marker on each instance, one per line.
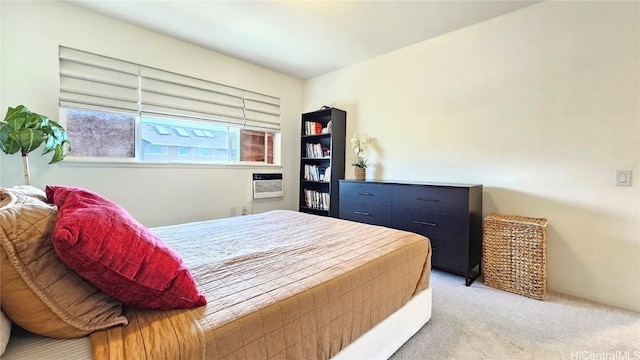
(479, 322)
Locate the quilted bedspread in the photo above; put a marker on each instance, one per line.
(279, 285)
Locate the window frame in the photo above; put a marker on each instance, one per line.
(253, 105)
(90, 161)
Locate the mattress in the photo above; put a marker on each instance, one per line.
(279, 285)
(379, 343)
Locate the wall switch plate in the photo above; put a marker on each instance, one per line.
(623, 177)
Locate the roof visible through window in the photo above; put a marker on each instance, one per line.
(162, 130)
(182, 132)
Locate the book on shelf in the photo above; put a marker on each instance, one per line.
(316, 199)
(312, 128)
(317, 173)
(317, 150)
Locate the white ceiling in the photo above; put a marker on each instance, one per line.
(303, 38)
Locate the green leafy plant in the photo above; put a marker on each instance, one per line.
(24, 131)
(361, 163)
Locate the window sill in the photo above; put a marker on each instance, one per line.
(169, 165)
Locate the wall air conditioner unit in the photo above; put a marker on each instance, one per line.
(267, 186)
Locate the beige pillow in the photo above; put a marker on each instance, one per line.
(5, 332)
(38, 291)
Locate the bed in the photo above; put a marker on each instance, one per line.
(280, 284)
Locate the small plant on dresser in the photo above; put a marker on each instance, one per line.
(359, 145)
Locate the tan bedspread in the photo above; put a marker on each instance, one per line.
(279, 285)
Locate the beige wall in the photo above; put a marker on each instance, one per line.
(541, 106)
(31, 34)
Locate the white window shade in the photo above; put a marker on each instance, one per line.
(169, 94)
(97, 82)
(161, 104)
(261, 111)
(90, 81)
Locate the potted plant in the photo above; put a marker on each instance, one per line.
(25, 131)
(359, 145)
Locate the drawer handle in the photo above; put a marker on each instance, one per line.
(362, 213)
(428, 199)
(365, 193)
(424, 223)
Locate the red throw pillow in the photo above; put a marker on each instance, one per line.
(108, 247)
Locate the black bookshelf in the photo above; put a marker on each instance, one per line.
(322, 147)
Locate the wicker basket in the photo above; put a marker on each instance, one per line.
(514, 254)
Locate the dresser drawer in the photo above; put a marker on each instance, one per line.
(442, 200)
(452, 228)
(366, 213)
(365, 193)
(447, 253)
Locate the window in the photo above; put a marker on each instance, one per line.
(91, 129)
(182, 132)
(205, 152)
(162, 130)
(120, 110)
(254, 144)
(214, 148)
(153, 149)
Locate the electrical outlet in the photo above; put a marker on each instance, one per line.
(243, 210)
(623, 177)
(232, 211)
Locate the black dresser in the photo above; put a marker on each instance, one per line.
(450, 215)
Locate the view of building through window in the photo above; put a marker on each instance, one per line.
(253, 146)
(109, 135)
(186, 141)
(100, 134)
